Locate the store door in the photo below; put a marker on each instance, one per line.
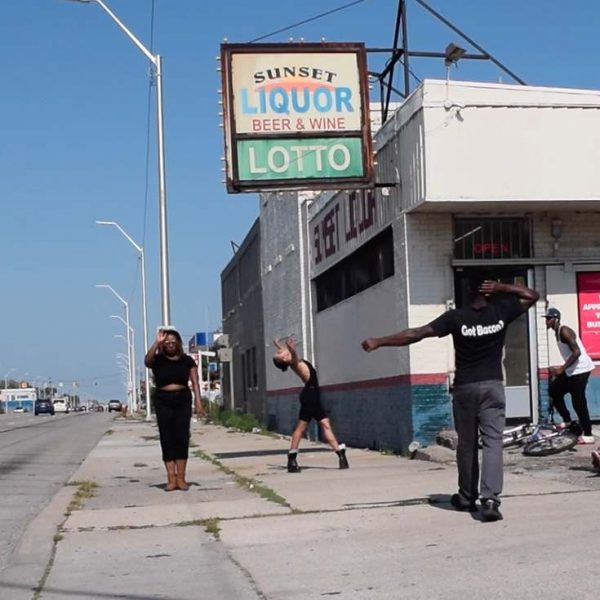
(516, 361)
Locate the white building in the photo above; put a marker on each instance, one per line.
(473, 176)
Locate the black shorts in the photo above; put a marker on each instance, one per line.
(310, 406)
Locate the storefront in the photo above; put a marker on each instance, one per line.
(471, 177)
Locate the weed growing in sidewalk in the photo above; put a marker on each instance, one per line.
(235, 420)
(109, 432)
(248, 483)
(211, 525)
(85, 490)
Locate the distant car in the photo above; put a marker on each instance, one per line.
(19, 409)
(115, 405)
(61, 406)
(44, 406)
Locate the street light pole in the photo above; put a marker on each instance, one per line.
(142, 254)
(156, 60)
(131, 372)
(131, 335)
(6, 377)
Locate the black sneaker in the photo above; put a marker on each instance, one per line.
(460, 504)
(292, 465)
(343, 460)
(490, 510)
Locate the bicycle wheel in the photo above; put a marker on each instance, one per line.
(550, 445)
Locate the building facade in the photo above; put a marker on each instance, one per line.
(470, 176)
(242, 311)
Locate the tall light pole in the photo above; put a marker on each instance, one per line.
(123, 363)
(156, 61)
(131, 373)
(131, 335)
(6, 377)
(140, 249)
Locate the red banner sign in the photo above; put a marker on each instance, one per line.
(588, 299)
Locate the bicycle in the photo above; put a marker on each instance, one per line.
(541, 444)
(514, 436)
(541, 439)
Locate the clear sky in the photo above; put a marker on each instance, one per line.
(74, 121)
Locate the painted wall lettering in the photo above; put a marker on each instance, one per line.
(340, 228)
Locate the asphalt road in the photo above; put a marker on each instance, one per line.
(37, 456)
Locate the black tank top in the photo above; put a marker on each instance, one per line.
(311, 387)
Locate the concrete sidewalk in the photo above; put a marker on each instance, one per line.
(248, 529)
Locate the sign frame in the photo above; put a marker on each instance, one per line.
(234, 182)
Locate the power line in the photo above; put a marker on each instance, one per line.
(310, 19)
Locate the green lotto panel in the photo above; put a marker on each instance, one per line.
(307, 158)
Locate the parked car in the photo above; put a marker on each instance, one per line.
(44, 406)
(61, 406)
(19, 409)
(115, 405)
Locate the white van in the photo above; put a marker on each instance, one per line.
(61, 405)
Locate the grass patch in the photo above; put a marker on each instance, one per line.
(193, 523)
(248, 483)
(85, 490)
(212, 527)
(235, 420)
(109, 432)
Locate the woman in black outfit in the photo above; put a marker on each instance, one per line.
(310, 404)
(172, 370)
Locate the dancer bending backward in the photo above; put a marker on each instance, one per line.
(310, 404)
(478, 332)
(172, 370)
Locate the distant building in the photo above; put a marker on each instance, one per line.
(12, 398)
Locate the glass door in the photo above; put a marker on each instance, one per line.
(516, 358)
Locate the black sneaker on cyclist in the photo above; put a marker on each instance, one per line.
(460, 504)
(490, 510)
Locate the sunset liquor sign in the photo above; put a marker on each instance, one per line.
(296, 116)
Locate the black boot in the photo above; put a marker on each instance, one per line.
(292, 465)
(342, 456)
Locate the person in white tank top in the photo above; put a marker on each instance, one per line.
(572, 376)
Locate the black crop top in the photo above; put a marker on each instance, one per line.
(167, 371)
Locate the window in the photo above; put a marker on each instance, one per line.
(244, 378)
(248, 369)
(371, 263)
(491, 238)
(254, 369)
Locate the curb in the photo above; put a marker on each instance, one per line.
(32, 558)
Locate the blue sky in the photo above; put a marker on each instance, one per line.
(73, 135)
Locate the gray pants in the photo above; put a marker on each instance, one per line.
(479, 407)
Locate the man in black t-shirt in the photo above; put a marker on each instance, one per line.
(478, 401)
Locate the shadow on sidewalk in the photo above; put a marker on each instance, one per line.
(442, 501)
(251, 453)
